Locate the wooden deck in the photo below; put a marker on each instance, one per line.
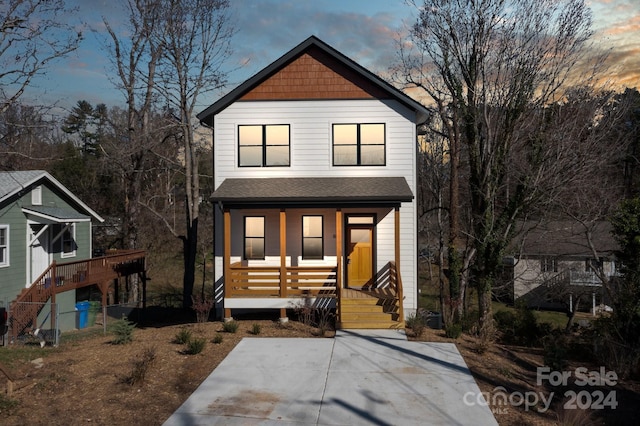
(66, 276)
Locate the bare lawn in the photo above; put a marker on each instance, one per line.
(86, 380)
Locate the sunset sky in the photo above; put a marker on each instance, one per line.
(364, 30)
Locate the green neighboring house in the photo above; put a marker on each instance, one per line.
(41, 221)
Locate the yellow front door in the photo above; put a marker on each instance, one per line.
(359, 256)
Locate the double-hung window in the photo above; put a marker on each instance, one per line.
(359, 144)
(68, 241)
(263, 145)
(312, 241)
(254, 237)
(4, 245)
(548, 264)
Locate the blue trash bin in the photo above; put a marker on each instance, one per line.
(83, 313)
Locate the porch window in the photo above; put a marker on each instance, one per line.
(312, 241)
(548, 264)
(4, 245)
(359, 144)
(254, 237)
(263, 145)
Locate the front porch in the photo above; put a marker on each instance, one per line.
(329, 241)
(366, 307)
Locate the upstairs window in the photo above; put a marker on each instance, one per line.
(263, 145)
(4, 245)
(312, 241)
(254, 237)
(359, 144)
(548, 264)
(36, 196)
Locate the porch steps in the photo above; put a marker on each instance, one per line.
(368, 312)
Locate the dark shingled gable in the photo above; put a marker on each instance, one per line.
(313, 190)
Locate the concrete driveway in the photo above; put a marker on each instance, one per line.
(359, 377)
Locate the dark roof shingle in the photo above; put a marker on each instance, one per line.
(313, 190)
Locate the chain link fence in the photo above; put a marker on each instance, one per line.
(33, 323)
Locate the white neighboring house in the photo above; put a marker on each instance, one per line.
(555, 265)
(314, 176)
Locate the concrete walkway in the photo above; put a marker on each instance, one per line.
(360, 377)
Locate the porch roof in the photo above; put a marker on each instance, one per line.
(327, 190)
(55, 214)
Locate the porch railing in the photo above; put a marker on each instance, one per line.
(270, 281)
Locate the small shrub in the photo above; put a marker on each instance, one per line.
(140, 366)
(416, 323)
(217, 339)
(325, 321)
(122, 329)
(7, 405)
(555, 351)
(255, 329)
(230, 326)
(453, 331)
(203, 307)
(183, 336)
(196, 345)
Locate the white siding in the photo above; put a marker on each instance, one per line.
(311, 156)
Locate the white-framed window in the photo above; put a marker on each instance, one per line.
(4, 245)
(312, 237)
(36, 196)
(548, 264)
(264, 145)
(359, 144)
(68, 242)
(254, 242)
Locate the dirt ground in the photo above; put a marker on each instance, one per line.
(85, 379)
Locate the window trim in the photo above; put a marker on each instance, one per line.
(72, 232)
(314, 238)
(245, 237)
(358, 145)
(264, 145)
(36, 195)
(7, 246)
(548, 264)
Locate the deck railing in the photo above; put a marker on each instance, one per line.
(267, 281)
(61, 277)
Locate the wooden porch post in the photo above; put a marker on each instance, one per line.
(54, 289)
(283, 262)
(339, 273)
(397, 261)
(227, 262)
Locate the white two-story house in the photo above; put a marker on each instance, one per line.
(315, 176)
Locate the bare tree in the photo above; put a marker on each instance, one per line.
(197, 41)
(135, 54)
(33, 33)
(486, 65)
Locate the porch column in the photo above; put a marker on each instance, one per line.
(399, 291)
(54, 290)
(339, 273)
(226, 260)
(283, 262)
